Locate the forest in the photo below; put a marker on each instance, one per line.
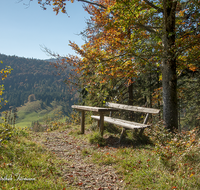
(31, 76)
(143, 53)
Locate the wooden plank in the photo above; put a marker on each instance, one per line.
(123, 134)
(133, 108)
(95, 109)
(123, 123)
(146, 119)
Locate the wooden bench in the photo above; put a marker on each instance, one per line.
(99, 110)
(128, 124)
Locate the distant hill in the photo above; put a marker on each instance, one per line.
(32, 76)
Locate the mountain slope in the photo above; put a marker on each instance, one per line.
(32, 76)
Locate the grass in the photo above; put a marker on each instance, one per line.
(157, 160)
(26, 165)
(36, 111)
(96, 138)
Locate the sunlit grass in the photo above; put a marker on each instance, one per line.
(165, 161)
(158, 160)
(34, 111)
(26, 165)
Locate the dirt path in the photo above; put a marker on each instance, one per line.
(79, 171)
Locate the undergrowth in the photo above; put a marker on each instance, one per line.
(163, 161)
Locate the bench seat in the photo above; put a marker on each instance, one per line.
(122, 123)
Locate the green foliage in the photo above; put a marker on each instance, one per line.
(189, 101)
(7, 126)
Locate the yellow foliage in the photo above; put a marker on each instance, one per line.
(5, 73)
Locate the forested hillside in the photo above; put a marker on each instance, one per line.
(31, 76)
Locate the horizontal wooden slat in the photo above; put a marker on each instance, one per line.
(95, 109)
(122, 123)
(132, 108)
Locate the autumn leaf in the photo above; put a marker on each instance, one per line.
(192, 174)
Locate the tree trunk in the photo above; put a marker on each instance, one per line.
(169, 77)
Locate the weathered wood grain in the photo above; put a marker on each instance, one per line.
(132, 108)
(99, 110)
(122, 123)
(94, 109)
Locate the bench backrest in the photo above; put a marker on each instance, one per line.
(132, 108)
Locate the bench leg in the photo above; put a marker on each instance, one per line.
(123, 134)
(101, 124)
(98, 124)
(82, 122)
(141, 132)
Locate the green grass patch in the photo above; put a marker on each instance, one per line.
(38, 111)
(168, 161)
(156, 160)
(26, 165)
(96, 138)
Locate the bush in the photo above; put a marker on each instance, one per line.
(7, 126)
(37, 127)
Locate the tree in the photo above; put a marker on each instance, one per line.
(4, 73)
(164, 33)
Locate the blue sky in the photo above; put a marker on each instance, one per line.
(23, 30)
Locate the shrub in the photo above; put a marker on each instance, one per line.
(7, 126)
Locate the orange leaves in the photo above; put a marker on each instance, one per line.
(5, 72)
(58, 5)
(192, 67)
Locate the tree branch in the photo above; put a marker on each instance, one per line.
(148, 28)
(154, 6)
(93, 3)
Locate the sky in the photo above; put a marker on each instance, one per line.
(25, 29)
